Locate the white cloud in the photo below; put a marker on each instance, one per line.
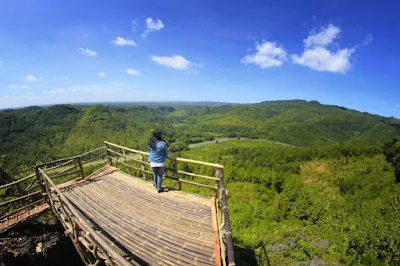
(87, 52)
(318, 56)
(101, 74)
(56, 91)
(13, 86)
(268, 55)
(123, 42)
(30, 78)
(321, 59)
(17, 86)
(39, 86)
(322, 38)
(397, 106)
(134, 25)
(132, 72)
(175, 61)
(152, 25)
(368, 39)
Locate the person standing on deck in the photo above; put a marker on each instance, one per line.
(158, 150)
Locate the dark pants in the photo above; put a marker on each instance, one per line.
(157, 175)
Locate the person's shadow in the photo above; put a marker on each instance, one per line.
(246, 256)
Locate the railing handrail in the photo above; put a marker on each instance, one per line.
(69, 158)
(169, 157)
(227, 225)
(17, 181)
(32, 175)
(20, 198)
(61, 162)
(110, 150)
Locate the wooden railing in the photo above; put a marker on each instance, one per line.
(135, 159)
(42, 184)
(23, 195)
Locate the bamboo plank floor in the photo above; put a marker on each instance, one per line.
(169, 228)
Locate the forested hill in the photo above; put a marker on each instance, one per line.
(304, 123)
(41, 133)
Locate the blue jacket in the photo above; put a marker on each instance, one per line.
(160, 153)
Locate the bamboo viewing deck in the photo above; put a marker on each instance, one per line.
(119, 218)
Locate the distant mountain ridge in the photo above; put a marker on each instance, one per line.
(41, 133)
(306, 123)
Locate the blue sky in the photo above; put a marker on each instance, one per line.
(337, 52)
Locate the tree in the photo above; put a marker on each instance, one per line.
(392, 153)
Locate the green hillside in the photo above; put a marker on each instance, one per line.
(331, 196)
(42, 133)
(291, 206)
(303, 123)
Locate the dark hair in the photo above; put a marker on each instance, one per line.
(156, 136)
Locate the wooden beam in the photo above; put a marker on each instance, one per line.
(137, 168)
(128, 157)
(93, 159)
(170, 158)
(196, 184)
(196, 175)
(17, 181)
(226, 222)
(21, 198)
(196, 162)
(128, 149)
(217, 248)
(22, 208)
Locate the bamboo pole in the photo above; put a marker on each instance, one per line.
(128, 157)
(133, 167)
(17, 181)
(21, 198)
(196, 184)
(143, 166)
(171, 158)
(80, 167)
(32, 175)
(109, 162)
(196, 175)
(68, 173)
(22, 208)
(226, 222)
(93, 159)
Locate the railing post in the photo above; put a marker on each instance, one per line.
(218, 174)
(175, 169)
(78, 160)
(109, 162)
(44, 187)
(143, 167)
(123, 153)
(226, 223)
(41, 183)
